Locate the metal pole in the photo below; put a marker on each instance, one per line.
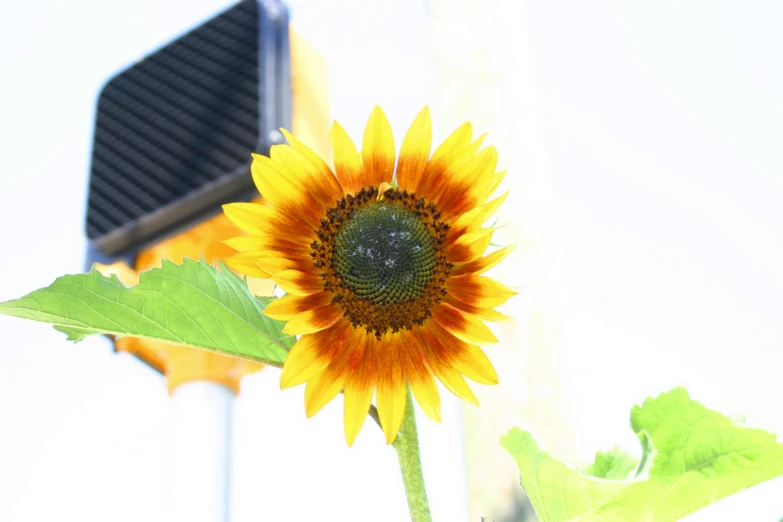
(200, 451)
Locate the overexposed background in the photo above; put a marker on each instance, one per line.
(651, 132)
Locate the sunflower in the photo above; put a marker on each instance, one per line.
(381, 266)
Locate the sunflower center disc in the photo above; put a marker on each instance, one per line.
(385, 254)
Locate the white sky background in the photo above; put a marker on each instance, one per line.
(661, 126)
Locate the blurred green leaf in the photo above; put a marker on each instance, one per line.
(615, 464)
(692, 457)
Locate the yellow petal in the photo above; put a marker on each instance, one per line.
(244, 264)
(479, 291)
(456, 384)
(482, 264)
(314, 320)
(426, 394)
(415, 152)
(442, 167)
(383, 189)
(469, 247)
(378, 153)
(347, 162)
(486, 314)
(390, 389)
(287, 196)
(288, 306)
(324, 387)
(298, 283)
(473, 219)
(250, 217)
(273, 265)
(318, 164)
(474, 364)
(461, 325)
(305, 176)
(474, 168)
(321, 389)
(312, 354)
(419, 377)
(461, 184)
(302, 364)
(269, 243)
(466, 358)
(457, 141)
(490, 187)
(359, 389)
(443, 370)
(455, 150)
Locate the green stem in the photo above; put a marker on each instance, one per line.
(407, 446)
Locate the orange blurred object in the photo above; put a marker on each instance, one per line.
(182, 364)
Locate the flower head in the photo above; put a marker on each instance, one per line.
(381, 266)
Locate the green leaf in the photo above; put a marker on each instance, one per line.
(74, 334)
(693, 457)
(192, 304)
(618, 464)
(615, 464)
